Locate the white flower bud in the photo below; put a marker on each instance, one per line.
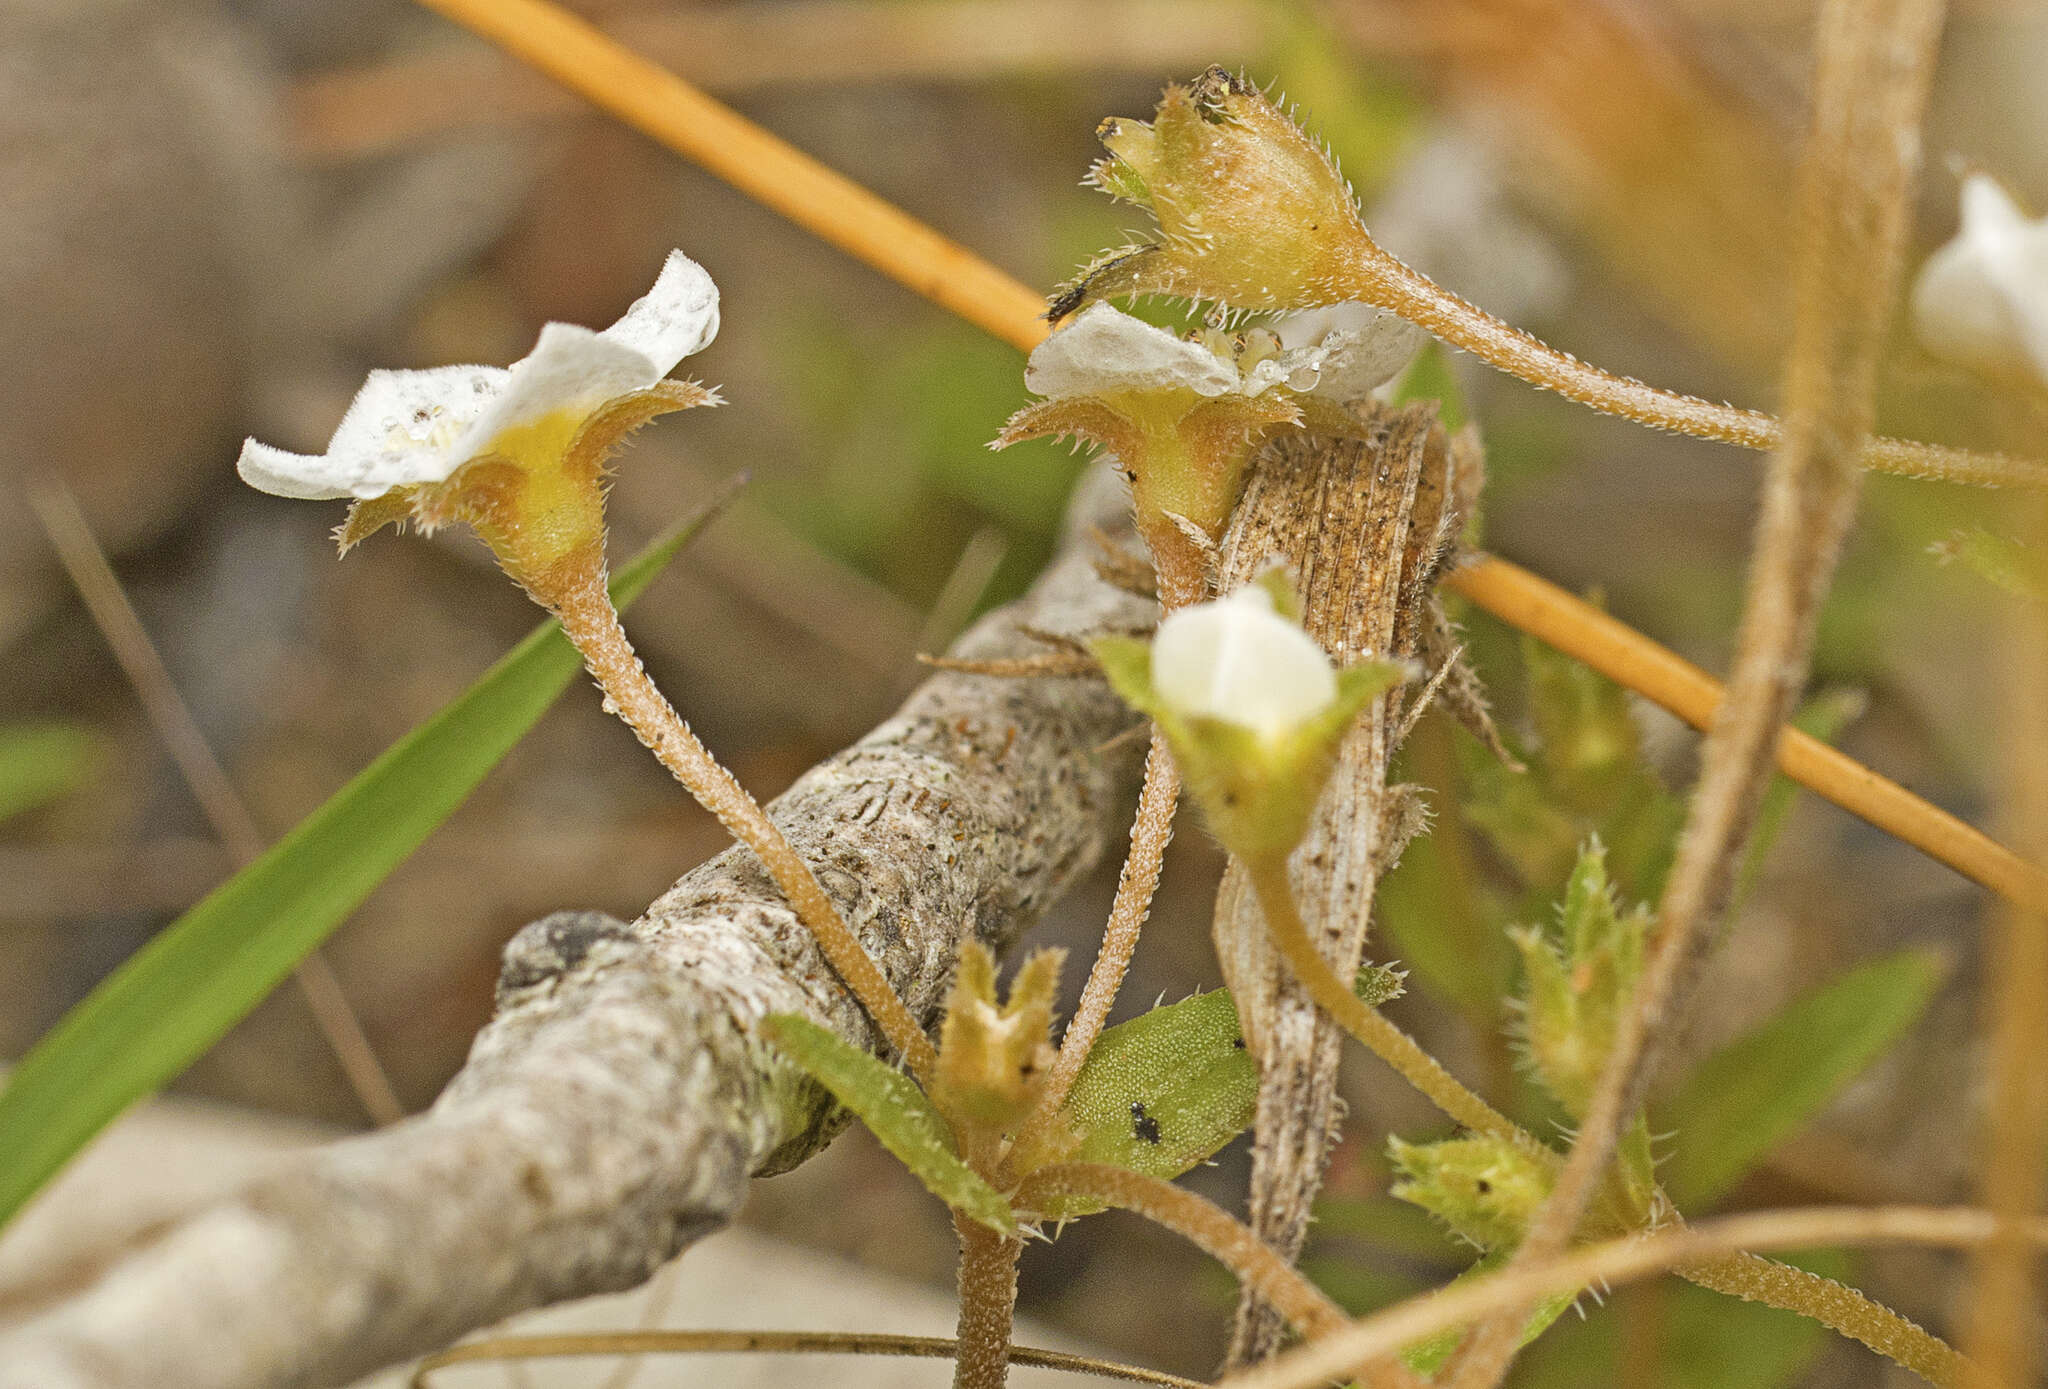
(1239, 661)
(1982, 300)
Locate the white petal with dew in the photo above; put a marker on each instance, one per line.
(1104, 350)
(1239, 661)
(410, 427)
(402, 428)
(569, 369)
(1982, 299)
(675, 319)
(1344, 352)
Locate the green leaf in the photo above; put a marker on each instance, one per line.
(1743, 1100)
(896, 1112)
(41, 761)
(171, 1000)
(1164, 1091)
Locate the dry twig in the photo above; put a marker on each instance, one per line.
(615, 1108)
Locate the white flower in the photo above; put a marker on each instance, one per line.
(1236, 659)
(1982, 300)
(406, 428)
(1103, 351)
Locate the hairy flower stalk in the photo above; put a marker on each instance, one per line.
(1254, 216)
(519, 454)
(1182, 417)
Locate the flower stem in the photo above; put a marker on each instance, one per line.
(1766, 1281)
(988, 1304)
(1216, 1233)
(1182, 581)
(1151, 829)
(1382, 278)
(1382, 1038)
(575, 593)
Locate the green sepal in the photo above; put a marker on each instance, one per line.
(1484, 1188)
(896, 1112)
(1578, 982)
(1161, 1092)
(1257, 792)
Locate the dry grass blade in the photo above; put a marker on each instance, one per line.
(2002, 1329)
(499, 1348)
(360, 112)
(72, 538)
(663, 106)
(1875, 59)
(1617, 1262)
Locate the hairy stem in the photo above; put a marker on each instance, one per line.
(1381, 278)
(1616, 1262)
(1875, 58)
(1382, 1038)
(1833, 1305)
(988, 1304)
(1216, 1233)
(1151, 829)
(1203, 1224)
(1151, 832)
(592, 623)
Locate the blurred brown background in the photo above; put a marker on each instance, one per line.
(218, 215)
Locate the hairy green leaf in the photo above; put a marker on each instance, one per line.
(1743, 1100)
(1164, 1091)
(41, 761)
(896, 1112)
(174, 998)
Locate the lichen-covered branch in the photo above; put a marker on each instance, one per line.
(615, 1108)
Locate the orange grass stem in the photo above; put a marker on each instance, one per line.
(1627, 657)
(824, 202)
(834, 208)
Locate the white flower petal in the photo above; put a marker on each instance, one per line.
(570, 368)
(1238, 660)
(1982, 300)
(1103, 350)
(411, 427)
(401, 428)
(675, 319)
(301, 476)
(1344, 352)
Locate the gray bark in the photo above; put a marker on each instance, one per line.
(614, 1109)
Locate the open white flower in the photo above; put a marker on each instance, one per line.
(1104, 351)
(1238, 660)
(1982, 300)
(409, 428)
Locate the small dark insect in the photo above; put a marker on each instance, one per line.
(1143, 1124)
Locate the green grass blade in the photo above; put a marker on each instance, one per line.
(170, 1001)
(41, 761)
(1744, 1099)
